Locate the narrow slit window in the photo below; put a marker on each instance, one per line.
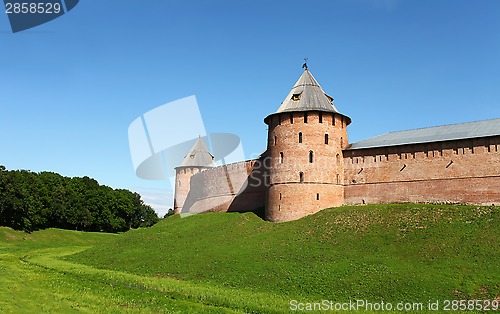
(301, 177)
(311, 157)
(275, 140)
(281, 157)
(317, 196)
(300, 137)
(291, 118)
(320, 117)
(341, 142)
(326, 139)
(305, 117)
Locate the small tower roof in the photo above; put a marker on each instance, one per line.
(198, 156)
(307, 95)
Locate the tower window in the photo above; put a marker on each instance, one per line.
(301, 177)
(311, 157)
(300, 137)
(305, 117)
(320, 117)
(338, 178)
(338, 159)
(281, 157)
(317, 196)
(280, 196)
(275, 140)
(341, 142)
(296, 97)
(291, 118)
(326, 139)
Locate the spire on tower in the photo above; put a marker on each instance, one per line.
(304, 66)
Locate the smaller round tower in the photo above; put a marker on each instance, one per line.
(305, 141)
(198, 159)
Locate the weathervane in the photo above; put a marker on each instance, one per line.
(304, 66)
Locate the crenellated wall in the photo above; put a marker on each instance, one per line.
(460, 171)
(237, 187)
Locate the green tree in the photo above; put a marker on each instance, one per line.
(31, 201)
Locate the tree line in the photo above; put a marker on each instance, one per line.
(31, 201)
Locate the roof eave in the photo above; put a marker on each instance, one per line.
(266, 119)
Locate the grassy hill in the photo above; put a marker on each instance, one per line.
(230, 262)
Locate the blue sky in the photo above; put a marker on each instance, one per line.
(70, 88)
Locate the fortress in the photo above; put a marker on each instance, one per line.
(310, 165)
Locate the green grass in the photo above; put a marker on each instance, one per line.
(230, 262)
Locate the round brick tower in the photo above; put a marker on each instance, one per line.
(305, 140)
(198, 159)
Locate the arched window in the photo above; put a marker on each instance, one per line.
(326, 139)
(311, 156)
(281, 157)
(305, 117)
(300, 137)
(301, 177)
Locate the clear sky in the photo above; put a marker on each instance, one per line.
(70, 88)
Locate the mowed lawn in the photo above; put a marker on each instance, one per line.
(237, 263)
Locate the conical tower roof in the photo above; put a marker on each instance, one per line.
(198, 156)
(307, 95)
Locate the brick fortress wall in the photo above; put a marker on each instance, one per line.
(460, 171)
(237, 187)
